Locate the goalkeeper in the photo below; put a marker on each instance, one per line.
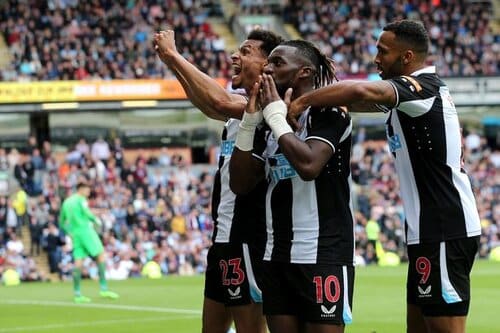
(75, 219)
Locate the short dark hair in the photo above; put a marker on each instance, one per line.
(411, 32)
(268, 38)
(82, 184)
(324, 66)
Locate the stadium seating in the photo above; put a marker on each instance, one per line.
(105, 40)
(80, 41)
(156, 208)
(464, 40)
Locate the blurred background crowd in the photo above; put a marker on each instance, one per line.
(156, 206)
(102, 39)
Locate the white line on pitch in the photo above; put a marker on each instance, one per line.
(87, 324)
(103, 306)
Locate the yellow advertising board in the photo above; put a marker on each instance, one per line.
(91, 91)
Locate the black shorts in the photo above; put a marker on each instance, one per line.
(318, 293)
(232, 276)
(438, 276)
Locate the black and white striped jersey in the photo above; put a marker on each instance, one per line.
(424, 136)
(237, 218)
(311, 222)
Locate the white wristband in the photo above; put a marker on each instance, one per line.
(244, 138)
(251, 119)
(275, 115)
(246, 131)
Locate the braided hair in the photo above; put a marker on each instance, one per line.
(324, 66)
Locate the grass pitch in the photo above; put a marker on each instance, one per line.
(173, 304)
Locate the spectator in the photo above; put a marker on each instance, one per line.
(462, 38)
(82, 147)
(3, 219)
(92, 41)
(37, 160)
(14, 244)
(4, 161)
(32, 145)
(54, 239)
(100, 150)
(164, 157)
(20, 205)
(117, 150)
(183, 192)
(35, 235)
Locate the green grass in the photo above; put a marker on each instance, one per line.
(173, 304)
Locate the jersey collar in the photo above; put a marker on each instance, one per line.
(425, 70)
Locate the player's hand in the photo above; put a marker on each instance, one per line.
(295, 109)
(164, 44)
(253, 105)
(98, 222)
(268, 92)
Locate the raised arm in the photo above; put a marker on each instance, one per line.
(245, 168)
(204, 92)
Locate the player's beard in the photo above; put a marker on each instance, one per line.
(396, 69)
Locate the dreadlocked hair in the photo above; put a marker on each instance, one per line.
(324, 66)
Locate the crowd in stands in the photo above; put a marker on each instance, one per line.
(100, 39)
(157, 208)
(75, 40)
(463, 42)
(376, 188)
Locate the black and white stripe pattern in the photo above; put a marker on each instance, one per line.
(237, 218)
(222, 197)
(424, 136)
(311, 222)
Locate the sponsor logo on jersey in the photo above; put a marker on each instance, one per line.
(226, 147)
(425, 292)
(394, 143)
(234, 294)
(328, 312)
(281, 168)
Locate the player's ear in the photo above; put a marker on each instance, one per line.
(408, 57)
(306, 71)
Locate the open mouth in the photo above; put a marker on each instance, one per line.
(236, 69)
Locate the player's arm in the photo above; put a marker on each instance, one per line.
(87, 213)
(359, 96)
(63, 220)
(307, 158)
(245, 169)
(203, 91)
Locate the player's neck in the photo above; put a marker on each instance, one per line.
(412, 68)
(299, 91)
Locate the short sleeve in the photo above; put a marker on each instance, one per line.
(329, 125)
(415, 94)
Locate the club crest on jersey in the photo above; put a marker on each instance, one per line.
(280, 168)
(328, 312)
(424, 292)
(226, 148)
